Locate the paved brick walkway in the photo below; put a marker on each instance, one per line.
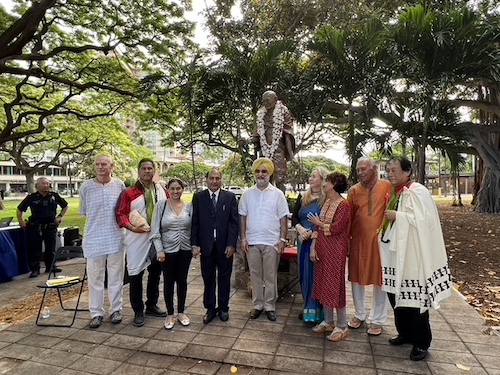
(256, 347)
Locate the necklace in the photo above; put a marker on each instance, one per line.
(268, 150)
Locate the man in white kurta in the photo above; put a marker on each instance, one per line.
(415, 271)
(264, 214)
(103, 241)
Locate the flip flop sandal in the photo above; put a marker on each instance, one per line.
(374, 330)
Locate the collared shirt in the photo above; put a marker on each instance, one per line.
(43, 207)
(216, 194)
(102, 236)
(216, 200)
(263, 210)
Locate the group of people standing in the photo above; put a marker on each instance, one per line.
(389, 234)
(155, 230)
(160, 233)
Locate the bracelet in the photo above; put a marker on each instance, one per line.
(283, 240)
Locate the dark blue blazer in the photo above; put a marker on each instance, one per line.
(225, 219)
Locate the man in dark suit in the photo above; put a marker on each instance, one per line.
(214, 233)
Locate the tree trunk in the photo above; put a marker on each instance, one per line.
(423, 144)
(488, 196)
(30, 181)
(488, 147)
(352, 144)
(478, 178)
(488, 199)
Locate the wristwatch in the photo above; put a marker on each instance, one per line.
(283, 240)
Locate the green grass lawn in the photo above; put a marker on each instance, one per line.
(72, 217)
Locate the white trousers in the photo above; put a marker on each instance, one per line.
(263, 262)
(378, 311)
(96, 267)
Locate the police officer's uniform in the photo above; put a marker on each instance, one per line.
(41, 226)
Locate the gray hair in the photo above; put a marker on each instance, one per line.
(39, 180)
(105, 156)
(367, 160)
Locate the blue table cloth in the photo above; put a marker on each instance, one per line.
(13, 253)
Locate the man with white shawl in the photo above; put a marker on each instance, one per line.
(134, 212)
(415, 272)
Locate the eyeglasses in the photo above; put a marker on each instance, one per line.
(263, 171)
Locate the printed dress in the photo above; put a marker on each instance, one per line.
(332, 247)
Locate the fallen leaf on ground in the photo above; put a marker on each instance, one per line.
(462, 367)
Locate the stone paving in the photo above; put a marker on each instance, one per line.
(286, 346)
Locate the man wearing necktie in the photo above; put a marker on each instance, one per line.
(214, 233)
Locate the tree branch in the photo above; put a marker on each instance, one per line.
(21, 32)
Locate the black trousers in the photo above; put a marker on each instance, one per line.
(216, 266)
(152, 288)
(175, 270)
(411, 325)
(35, 239)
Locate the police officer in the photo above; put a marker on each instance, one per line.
(42, 225)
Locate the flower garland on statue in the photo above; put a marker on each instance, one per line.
(268, 150)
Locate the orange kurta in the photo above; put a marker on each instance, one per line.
(367, 216)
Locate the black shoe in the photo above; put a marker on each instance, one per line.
(139, 319)
(417, 354)
(56, 269)
(34, 273)
(96, 322)
(224, 316)
(301, 316)
(397, 340)
(155, 311)
(254, 314)
(209, 316)
(271, 315)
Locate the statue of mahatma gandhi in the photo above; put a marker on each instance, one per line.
(274, 135)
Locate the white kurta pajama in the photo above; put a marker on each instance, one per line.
(413, 254)
(138, 244)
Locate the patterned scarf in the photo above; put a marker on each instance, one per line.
(392, 204)
(150, 203)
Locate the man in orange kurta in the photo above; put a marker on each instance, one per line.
(368, 203)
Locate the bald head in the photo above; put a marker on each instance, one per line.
(269, 99)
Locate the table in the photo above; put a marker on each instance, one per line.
(13, 252)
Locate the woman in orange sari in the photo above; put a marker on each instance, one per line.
(329, 251)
